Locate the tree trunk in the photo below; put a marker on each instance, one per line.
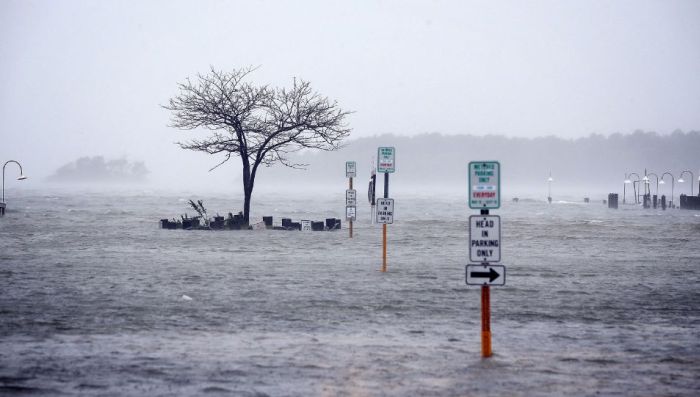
(247, 192)
(246, 205)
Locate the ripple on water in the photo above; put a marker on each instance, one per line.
(97, 298)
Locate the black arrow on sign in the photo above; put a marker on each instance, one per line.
(491, 274)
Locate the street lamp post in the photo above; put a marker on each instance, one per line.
(647, 190)
(20, 178)
(628, 181)
(673, 181)
(657, 187)
(692, 180)
(657, 181)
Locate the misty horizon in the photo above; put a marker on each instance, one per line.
(417, 155)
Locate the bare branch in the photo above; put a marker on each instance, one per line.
(259, 124)
(228, 156)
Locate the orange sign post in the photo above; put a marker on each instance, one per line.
(484, 240)
(386, 163)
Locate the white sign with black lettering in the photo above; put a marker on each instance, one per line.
(351, 198)
(485, 238)
(350, 213)
(350, 169)
(385, 210)
(305, 226)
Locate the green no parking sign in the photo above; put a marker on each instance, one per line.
(484, 185)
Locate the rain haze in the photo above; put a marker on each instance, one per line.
(130, 265)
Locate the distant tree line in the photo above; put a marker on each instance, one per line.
(436, 159)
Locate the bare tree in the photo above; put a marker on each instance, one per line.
(260, 124)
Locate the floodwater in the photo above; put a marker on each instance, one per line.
(95, 299)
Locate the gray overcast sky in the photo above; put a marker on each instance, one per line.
(84, 78)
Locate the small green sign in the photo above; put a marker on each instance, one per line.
(350, 169)
(484, 185)
(386, 159)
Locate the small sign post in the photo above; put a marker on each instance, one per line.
(351, 198)
(305, 226)
(350, 213)
(350, 169)
(350, 194)
(485, 239)
(386, 163)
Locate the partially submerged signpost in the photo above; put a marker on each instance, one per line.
(350, 194)
(485, 239)
(386, 163)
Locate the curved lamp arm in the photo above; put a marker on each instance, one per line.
(692, 181)
(673, 182)
(657, 181)
(633, 186)
(20, 178)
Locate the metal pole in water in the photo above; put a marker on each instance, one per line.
(20, 178)
(485, 315)
(373, 216)
(386, 195)
(386, 185)
(486, 321)
(371, 193)
(384, 248)
(350, 221)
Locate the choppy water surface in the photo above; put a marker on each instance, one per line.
(598, 301)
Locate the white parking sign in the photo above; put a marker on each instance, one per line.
(385, 210)
(350, 198)
(350, 213)
(485, 238)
